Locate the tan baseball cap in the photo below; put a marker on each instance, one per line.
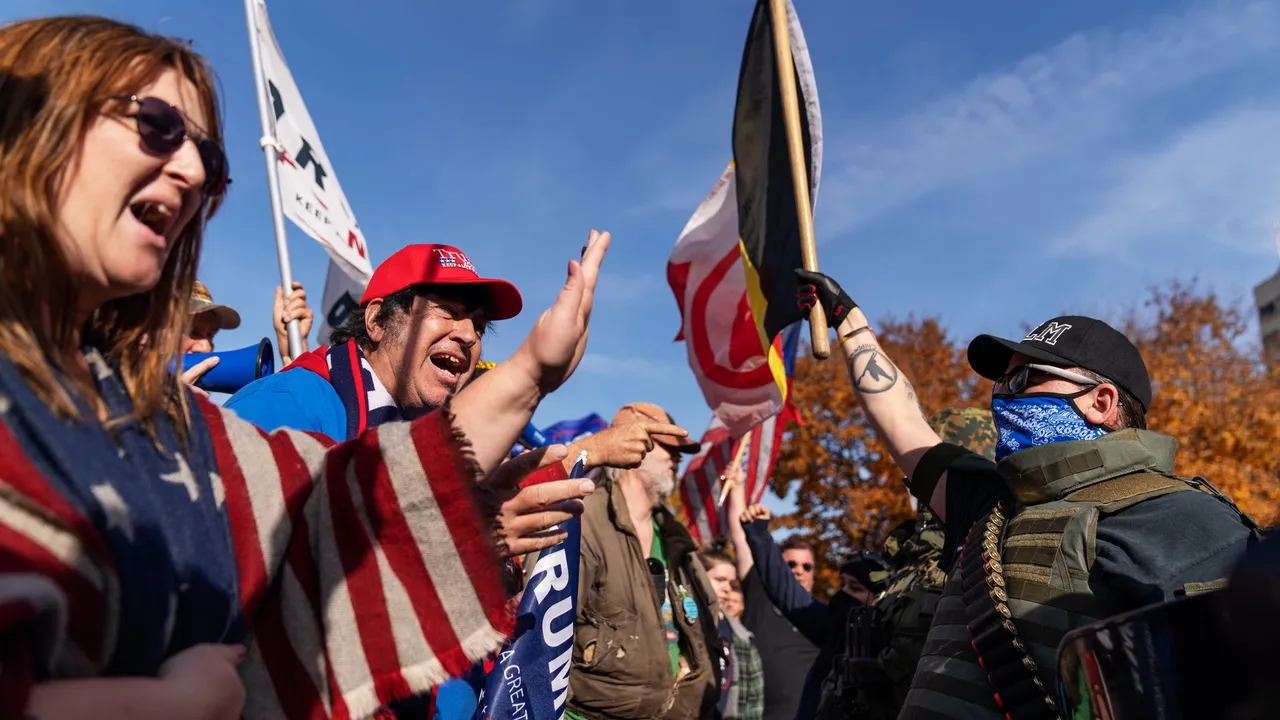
(202, 302)
(641, 411)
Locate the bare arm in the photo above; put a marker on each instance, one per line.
(890, 403)
(885, 393)
(105, 699)
(496, 407)
(737, 506)
(199, 683)
(620, 446)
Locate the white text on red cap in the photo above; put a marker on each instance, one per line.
(453, 259)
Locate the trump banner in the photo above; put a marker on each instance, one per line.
(529, 680)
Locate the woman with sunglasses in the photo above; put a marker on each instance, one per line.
(158, 556)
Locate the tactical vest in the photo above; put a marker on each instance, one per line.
(884, 641)
(1021, 581)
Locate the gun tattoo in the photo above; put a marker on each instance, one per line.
(872, 372)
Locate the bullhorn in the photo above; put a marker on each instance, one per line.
(235, 368)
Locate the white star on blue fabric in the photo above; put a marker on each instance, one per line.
(182, 476)
(219, 492)
(113, 505)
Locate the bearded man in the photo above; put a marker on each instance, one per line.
(646, 642)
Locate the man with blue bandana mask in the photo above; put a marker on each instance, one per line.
(1079, 518)
(1072, 378)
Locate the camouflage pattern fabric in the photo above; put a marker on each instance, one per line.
(970, 428)
(871, 681)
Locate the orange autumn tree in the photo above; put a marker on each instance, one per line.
(1212, 393)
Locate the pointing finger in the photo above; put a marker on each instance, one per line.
(657, 428)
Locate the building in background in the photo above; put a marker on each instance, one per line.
(1267, 298)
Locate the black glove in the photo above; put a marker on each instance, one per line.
(814, 287)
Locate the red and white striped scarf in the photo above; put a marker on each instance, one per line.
(365, 569)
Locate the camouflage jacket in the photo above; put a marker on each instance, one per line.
(885, 640)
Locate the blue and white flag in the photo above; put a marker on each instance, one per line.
(564, 432)
(530, 679)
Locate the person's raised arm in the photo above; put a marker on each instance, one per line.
(806, 612)
(496, 407)
(884, 391)
(737, 506)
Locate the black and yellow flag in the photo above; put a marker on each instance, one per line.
(768, 224)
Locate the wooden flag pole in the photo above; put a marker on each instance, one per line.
(799, 173)
(737, 463)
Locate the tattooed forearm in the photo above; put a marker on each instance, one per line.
(911, 394)
(872, 373)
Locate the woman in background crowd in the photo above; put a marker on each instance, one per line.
(743, 696)
(151, 545)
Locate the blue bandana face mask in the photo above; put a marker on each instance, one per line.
(1025, 421)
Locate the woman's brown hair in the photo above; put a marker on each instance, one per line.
(56, 75)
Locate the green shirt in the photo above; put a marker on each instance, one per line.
(658, 552)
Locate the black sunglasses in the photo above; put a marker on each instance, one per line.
(163, 130)
(1016, 381)
(808, 567)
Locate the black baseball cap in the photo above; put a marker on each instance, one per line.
(867, 568)
(1069, 341)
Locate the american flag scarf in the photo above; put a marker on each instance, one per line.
(356, 573)
(366, 400)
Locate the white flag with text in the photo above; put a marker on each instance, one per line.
(310, 194)
(341, 297)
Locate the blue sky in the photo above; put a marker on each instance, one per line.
(991, 164)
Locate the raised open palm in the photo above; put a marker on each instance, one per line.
(559, 337)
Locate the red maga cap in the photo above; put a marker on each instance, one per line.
(440, 265)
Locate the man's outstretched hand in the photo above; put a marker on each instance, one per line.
(494, 408)
(527, 519)
(558, 340)
(621, 446)
(814, 287)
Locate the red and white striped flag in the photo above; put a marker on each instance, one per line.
(745, 377)
(700, 488)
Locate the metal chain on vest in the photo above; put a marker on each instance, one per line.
(1019, 693)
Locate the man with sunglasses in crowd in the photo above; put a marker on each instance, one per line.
(1080, 517)
(785, 615)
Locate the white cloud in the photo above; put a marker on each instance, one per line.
(1216, 182)
(1082, 89)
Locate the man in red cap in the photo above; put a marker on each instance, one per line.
(415, 342)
